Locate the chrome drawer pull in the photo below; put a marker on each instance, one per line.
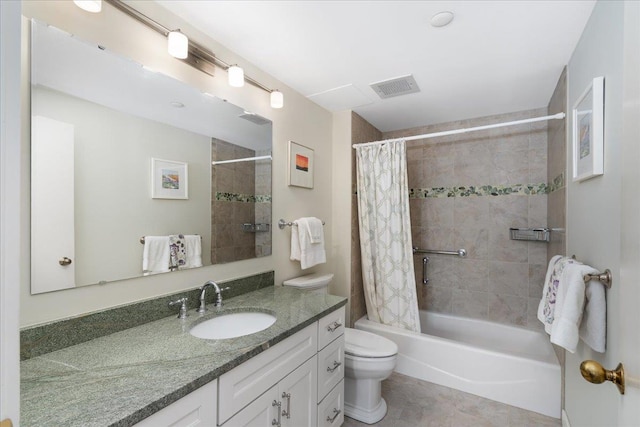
(277, 422)
(335, 366)
(336, 412)
(287, 396)
(335, 325)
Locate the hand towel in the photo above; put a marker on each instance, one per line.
(546, 308)
(177, 251)
(314, 227)
(155, 255)
(570, 305)
(302, 247)
(593, 328)
(194, 250)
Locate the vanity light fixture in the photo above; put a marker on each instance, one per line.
(93, 6)
(177, 44)
(236, 76)
(277, 99)
(193, 53)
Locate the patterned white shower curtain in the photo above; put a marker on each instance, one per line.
(385, 235)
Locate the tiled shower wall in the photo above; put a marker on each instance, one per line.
(233, 203)
(556, 167)
(466, 191)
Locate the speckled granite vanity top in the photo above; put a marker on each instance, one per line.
(120, 379)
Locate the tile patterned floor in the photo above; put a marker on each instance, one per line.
(415, 403)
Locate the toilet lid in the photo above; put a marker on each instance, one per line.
(365, 344)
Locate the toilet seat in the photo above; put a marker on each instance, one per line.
(364, 344)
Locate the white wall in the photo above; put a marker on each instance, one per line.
(594, 206)
(112, 184)
(10, 220)
(341, 215)
(300, 120)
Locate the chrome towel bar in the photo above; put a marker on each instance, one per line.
(282, 224)
(460, 252)
(606, 278)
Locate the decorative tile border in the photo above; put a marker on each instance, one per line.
(245, 198)
(481, 190)
(558, 183)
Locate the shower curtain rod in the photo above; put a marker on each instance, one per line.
(558, 116)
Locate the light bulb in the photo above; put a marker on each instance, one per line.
(236, 76)
(93, 6)
(178, 44)
(277, 99)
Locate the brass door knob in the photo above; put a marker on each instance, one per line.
(64, 261)
(593, 372)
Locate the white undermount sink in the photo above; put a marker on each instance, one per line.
(233, 325)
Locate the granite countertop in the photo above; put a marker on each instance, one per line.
(122, 378)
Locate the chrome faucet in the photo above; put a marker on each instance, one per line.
(217, 303)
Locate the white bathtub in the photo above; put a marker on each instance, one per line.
(507, 364)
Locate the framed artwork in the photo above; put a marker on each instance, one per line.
(169, 179)
(300, 172)
(588, 132)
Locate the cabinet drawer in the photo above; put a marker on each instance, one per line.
(330, 366)
(241, 385)
(331, 409)
(330, 327)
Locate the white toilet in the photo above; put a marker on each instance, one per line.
(369, 359)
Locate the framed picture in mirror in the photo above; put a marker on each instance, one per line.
(169, 179)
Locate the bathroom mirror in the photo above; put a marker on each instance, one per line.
(120, 152)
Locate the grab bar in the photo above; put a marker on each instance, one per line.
(460, 252)
(425, 278)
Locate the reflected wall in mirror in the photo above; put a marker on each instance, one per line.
(97, 121)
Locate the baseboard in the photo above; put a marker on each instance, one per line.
(565, 419)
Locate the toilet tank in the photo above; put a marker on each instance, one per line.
(315, 282)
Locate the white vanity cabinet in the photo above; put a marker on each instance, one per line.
(298, 382)
(198, 408)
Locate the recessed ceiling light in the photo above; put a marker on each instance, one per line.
(177, 104)
(441, 19)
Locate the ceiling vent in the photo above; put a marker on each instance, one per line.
(395, 87)
(254, 118)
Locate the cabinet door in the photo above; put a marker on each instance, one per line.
(197, 408)
(262, 412)
(297, 392)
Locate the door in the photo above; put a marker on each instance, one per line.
(603, 213)
(298, 393)
(262, 412)
(629, 409)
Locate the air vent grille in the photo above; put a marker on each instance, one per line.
(395, 87)
(254, 118)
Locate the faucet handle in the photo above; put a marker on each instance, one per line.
(218, 302)
(183, 307)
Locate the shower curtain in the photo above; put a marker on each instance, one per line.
(385, 235)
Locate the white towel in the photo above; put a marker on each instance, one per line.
(302, 247)
(572, 302)
(155, 255)
(546, 308)
(194, 251)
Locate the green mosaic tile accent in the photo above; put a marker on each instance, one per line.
(245, 198)
(480, 190)
(558, 183)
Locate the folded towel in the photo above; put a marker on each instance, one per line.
(155, 255)
(571, 304)
(314, 227)
(302, 247)
(194, 251)
(593, 328)
(546, 308)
